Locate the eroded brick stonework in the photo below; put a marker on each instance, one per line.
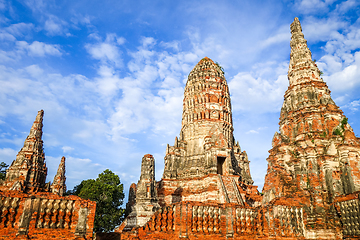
(206, 164)
(195, 220)
(313, 168)
(28, 171)
(144, 200)
(315, 156)
(58, 186)
(45, 215)
(31, 209)
(206, 144)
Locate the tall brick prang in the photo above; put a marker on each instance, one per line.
(315, 155)
(206, 144)
(206, 163)
(204, 166)
(28, 171)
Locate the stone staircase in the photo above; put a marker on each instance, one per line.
(231, 192)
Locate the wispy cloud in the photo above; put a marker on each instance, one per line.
(55, 26)
(39, 49)
(107, 51)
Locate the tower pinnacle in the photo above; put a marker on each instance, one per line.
(59, 186)
(301, 68)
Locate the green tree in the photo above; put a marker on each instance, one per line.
(3, 167)
(108, 193)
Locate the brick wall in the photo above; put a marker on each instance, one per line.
(45, 216)
(221, 221)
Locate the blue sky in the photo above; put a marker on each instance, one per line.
(110, 75)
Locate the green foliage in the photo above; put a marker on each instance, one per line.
(221, 68)
(337, 132)
(344, 121)
(323, 134)
(3, 167)
(108, 193)
(321, 73)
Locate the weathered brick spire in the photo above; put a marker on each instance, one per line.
(316, 155)
(58, 186)
(206, 99)
(145, 202)
(28, 171)
(206, 144)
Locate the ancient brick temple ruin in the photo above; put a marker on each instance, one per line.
(33, 209)
(312, 183)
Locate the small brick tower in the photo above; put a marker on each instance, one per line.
(146, 203)
(58, 186)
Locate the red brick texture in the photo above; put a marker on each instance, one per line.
(195, 220)
(45, 216)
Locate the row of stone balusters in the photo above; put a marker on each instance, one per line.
(206, 219)
(285, 221)
(8, 210)
(55, 213)
(248, 221)
(163, 220)
(350, 217)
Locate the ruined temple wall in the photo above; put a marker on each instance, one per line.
(195, 220)
(45, 216)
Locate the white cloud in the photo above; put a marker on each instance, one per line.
(39, 49)
(4, 36)
(34, 70)
(347, 5)
(317, 29)
(148, 42)
(252, 132)
(19, 29)
(2, 4)
(312, 6)
(107, 52)
(7, 155)
(256, 89)
(36, 5)
(67, 149)
(282, 36)
(346, 79)
(107, 82)
(56, 26)
(354, 105)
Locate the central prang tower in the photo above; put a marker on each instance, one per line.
(205, 165)
(206, 144)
